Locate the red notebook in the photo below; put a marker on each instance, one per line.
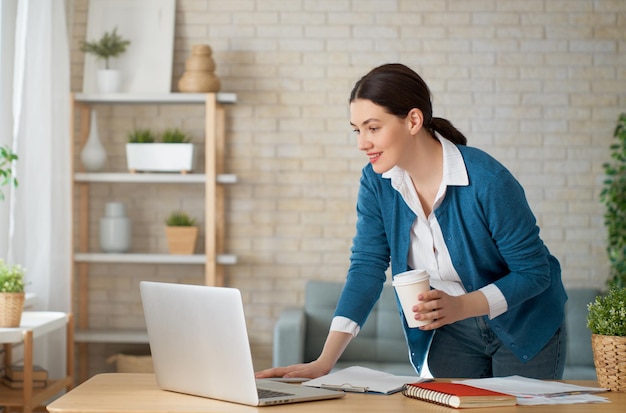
(457, 395)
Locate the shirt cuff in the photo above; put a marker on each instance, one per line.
(496, 300)
(344, 325)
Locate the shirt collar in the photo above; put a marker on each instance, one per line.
(454, 171)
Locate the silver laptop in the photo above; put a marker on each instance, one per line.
(199, 345)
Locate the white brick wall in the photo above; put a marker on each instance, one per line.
(537, 83)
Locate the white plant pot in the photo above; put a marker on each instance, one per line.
(109, 80)
(160, 157)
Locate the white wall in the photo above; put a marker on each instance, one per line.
(537, 83)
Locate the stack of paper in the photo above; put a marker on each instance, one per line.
(534, 392)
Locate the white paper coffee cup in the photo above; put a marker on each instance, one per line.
(408, 286)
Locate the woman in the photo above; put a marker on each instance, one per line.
(428, 201)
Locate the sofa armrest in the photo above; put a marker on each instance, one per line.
(289, 338)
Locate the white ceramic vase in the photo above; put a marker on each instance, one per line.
(93, 155)
(115, 228)
(109, 80)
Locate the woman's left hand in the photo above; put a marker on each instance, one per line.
(444, 309)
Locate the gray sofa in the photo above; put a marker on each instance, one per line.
(579, 363)
(299, 333)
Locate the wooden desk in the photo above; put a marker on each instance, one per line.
(138, 393)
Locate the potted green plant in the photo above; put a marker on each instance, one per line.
(173, 153)
(11, 294)
(181, 233)
(613, 196)
(11, 276)
(110, 45)
(7, 175)
(606, 320)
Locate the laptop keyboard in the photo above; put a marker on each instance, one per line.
(267, 393)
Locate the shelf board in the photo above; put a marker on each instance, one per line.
(120, 177)
(14, 397)
(111, 336)
(152, 97)
(223, 259)
(39, 322)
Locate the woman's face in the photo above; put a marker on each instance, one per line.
(383, 137)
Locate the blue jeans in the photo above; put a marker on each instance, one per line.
(469, 349)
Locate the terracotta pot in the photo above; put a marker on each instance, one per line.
(181, 240)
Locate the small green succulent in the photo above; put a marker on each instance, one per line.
(607, 314)
(175, 136)
(141, 136)
(180, 219)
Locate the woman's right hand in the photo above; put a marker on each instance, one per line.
(335, 344)
(306, 370)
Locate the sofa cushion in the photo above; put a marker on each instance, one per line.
(381, 340)
(381, 343)
(579, 362)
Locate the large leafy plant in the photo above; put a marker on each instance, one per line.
(607, 314)
(110, 45)
(613, 196)
(7, 175)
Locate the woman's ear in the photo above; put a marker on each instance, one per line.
(415, 120)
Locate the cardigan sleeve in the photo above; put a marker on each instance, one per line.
(369, 257)
(516, 235)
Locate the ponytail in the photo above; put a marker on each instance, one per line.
(399, 89)
(447, 130)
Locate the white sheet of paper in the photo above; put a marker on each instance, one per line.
(524, 386)
(535, 392)
(362, 379)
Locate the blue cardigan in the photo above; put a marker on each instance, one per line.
(492, 237)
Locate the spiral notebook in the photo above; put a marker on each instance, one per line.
(458, 395)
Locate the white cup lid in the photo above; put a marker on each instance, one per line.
(410, 277)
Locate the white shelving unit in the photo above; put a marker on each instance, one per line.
(152, 178)
(213, 180)
(153, 97)
(222, 259)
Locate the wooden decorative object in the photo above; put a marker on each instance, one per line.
(199, 73)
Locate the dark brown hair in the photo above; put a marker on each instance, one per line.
(399, 89)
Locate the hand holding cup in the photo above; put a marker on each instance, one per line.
(409, 285)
